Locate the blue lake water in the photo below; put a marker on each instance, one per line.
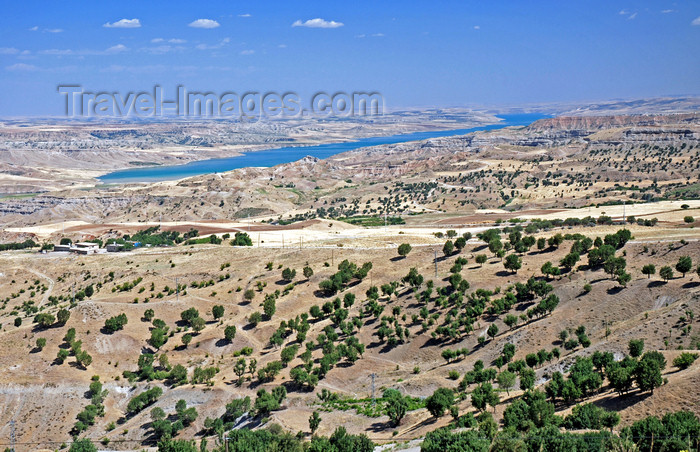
(273, 157)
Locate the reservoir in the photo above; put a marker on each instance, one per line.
(273, 157)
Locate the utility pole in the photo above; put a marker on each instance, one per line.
(373, 376)
(12, 435)
(177, 290)
(332, 259)
(624, 211)
(435, 251)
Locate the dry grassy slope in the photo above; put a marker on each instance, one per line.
(30, 376)
(581, 159)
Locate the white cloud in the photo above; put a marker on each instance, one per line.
(204, 23)
(171, 41)
(22, 67)
(378, 35)
(477, 27)
(666, 11)
(53, 30)
(57, 52)
(318, 23)
(361, 36)
(247, 52)
(34, 28)
(124, 23)
(696, 21)
(623, 12)
(8, 51)
(244, 15)
(282, 46)
(80, 53)
(632, 16)
(117, 49)
(222, 43)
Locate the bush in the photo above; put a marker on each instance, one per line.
(685, 360)
(442, 440)
(440, 401)
(82, 445)
(141, 401)
(217, 311)
(116, 323)
(241, 239)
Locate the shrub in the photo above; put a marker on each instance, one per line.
(116, 323)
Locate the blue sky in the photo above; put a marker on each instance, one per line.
(437, 53)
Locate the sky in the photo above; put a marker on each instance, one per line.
(416, 54)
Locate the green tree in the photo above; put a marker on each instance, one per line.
(177, 445)
(513, 262)
(255, 318)
(492, 331)
(510, 320)
(666, 273)
(527, 379)
(684, 360)
(570, 260)
(288, 274)
(649, 269)
(623, 278)
(198, 324)
(484, 395)
(396, 405)
(239, 369)
(148, 315)
(62, 316)
(448, 248)
(495, 246)
(83, 359)
(241, 239)
(440, 401)
(230, 332)
(647, 374)
(404, 249)
(308, 272)
(186, 339)
(506, 380)
(481, 259)
(443, 440)
(44, 320)
(41, 343)
(217, 311)
(636, 347)
(116, 323)
(269, 306)
(684, 265)
(314, 421)
(82, 445)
